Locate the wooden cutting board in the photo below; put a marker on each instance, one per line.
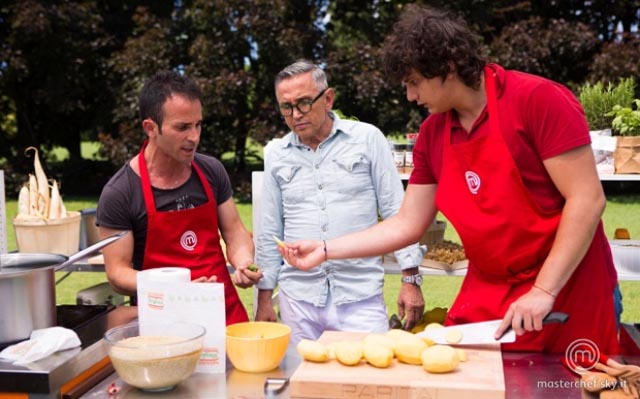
(479, 377)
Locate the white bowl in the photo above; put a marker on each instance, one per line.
(626, 255)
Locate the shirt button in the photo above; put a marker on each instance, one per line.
(317, 166)
(319, 186)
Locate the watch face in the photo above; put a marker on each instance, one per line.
(414, 279)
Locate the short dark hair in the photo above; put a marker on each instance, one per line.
(432, 42)
(162, 86)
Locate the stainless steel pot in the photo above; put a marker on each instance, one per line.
(27, 289)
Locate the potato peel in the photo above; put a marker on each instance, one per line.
(280, 243)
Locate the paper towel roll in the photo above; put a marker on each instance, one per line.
(168, 274)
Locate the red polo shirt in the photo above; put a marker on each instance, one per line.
(539, 119)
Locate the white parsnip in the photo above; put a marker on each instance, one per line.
(43, 185)
(54, 205)
(35, 199)
(23, 200)
(33, 195)
(63, 210)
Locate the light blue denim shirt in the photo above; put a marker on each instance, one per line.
(323, 194)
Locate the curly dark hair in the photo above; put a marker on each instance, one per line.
(433, 42)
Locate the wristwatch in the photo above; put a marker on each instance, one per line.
(415, 279)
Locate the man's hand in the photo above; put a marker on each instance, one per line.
(266, 312)
(527, 312)
(246, 275)
(303, 255)
(410, 305)
(203, 279)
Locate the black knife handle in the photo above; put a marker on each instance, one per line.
(556, 317)
(551, 317)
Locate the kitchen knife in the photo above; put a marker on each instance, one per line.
(483, 332)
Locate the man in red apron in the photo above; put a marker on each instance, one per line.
(175, 201)
(505, 156)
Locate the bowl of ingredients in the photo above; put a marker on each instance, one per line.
(155, 356)
(257, 346)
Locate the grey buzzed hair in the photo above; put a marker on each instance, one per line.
(303, 66)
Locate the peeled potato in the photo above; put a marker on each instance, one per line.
(398, 335)
(453, 336)
(349, 353)
(440, 359)
(331, 349)
(462, 354)
(377, 355)
(410, 350)
(433, 325)
(312, 351)
(428, 341)
(380, 339)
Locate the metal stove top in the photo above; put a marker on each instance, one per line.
(44, 378)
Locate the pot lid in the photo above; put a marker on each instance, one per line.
(17, 262)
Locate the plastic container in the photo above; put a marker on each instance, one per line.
(56, 236)
(399, 156)
(408, 158)
(626, 255)
(257, 346)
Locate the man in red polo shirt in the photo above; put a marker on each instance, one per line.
(506, 157)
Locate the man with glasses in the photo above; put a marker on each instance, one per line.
(326, 178)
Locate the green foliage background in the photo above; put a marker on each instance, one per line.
(70, 71)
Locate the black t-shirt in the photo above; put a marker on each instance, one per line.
(121, 204)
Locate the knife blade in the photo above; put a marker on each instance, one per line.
(482, 332)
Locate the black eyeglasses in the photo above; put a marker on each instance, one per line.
(304, 106)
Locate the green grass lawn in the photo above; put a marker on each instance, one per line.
(622, 211)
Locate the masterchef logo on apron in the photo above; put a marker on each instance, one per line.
(473, 181)
(188, 240)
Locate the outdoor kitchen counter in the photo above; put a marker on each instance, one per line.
(527, 375)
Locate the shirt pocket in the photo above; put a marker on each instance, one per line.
(352, 174)
(290, 183)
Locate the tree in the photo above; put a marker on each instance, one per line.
(355, 34)
(555, 48)
(233, 49)
(147, 50)
(72, 69)
(53, 75)
(617, 59)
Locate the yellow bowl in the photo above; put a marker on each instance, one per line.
(257, 346)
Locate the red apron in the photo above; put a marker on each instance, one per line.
(507, 237)
(188, 238)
